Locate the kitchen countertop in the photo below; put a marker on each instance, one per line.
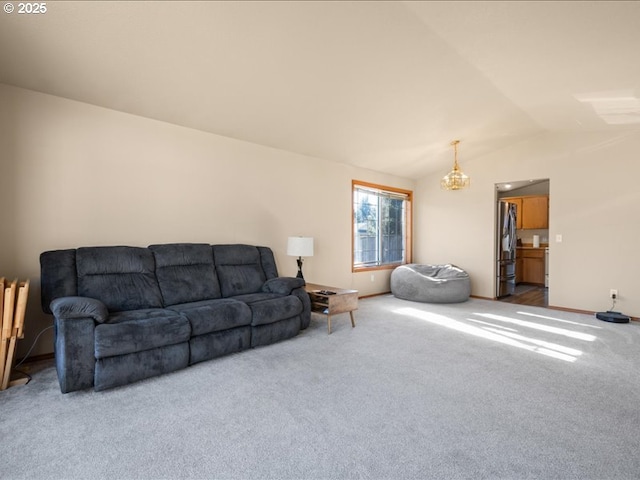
(531, 247)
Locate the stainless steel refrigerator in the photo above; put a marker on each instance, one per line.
(506, 249)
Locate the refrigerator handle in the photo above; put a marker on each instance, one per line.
(514, 237)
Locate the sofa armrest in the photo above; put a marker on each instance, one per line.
(66, 308)
(303, 296)
(75, 320)
(282, 285)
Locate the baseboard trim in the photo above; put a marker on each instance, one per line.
(586, 312)
(375, 295)
(36, 358)
(482, 298)
(555, 307)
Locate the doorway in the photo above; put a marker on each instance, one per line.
(530, 285)
(533, 295)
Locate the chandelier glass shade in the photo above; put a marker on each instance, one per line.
(455, 179)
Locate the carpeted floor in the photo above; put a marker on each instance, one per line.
(478, 390)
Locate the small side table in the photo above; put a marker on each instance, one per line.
(325, 303)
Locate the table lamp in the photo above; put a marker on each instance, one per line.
(300, 247)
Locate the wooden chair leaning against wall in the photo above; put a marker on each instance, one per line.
(13, 307)
(3, 344)
(8, 298)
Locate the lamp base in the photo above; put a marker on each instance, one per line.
(299, 275)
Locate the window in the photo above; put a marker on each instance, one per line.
(381, 226)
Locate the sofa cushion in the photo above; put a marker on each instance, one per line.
(185, 272)
(122, 278)
(239, 269)
(122, 369)
(271, 307)
(58, 276)
(282, 285)
(274, 332)
(216, 344)
(214, 315)
(138, 330)
(268, 262)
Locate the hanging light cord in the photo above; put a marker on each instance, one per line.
(455, 155)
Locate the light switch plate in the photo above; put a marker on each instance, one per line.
(558, 238)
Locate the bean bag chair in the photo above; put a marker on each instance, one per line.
(431, 283)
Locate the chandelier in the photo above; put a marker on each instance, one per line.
(455, 179)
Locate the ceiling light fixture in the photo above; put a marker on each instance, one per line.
(455, 179)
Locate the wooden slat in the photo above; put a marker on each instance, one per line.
(7, 323)
(21, 308)
(2, 286)
(16, 331)
(11, 352)
(19, 381)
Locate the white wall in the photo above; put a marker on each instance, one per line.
(82, 175)
(8, 196)
(594, 205)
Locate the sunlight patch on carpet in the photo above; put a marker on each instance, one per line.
(500, 334)
(538, 326)
(549, 345)
(546, 317)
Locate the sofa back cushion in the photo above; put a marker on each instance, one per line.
(58, 277)
(239, 269)
(268, 262)
(123, 278)
(185, 272)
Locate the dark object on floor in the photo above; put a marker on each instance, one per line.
(614, 317)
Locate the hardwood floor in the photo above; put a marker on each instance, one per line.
(529, 295)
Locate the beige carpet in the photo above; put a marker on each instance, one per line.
(478, 390)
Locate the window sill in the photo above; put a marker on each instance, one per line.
(376, 267)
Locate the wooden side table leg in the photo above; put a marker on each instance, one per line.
(353, 322)
(329, 323)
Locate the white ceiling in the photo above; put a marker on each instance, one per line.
(380, 85)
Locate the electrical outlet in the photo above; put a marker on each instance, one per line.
(613, 293)
(373, 277)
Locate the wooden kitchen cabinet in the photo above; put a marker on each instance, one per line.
(530, 266)
(518, 268)
(535, 212)
(518, 202)
(532, 211)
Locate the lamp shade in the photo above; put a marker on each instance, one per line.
(300, 246)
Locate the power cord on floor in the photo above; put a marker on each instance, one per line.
(29, 352)
(613, 305)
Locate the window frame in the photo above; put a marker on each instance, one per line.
(355, 184)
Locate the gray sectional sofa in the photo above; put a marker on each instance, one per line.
(123, 314)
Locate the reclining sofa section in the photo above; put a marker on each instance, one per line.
(122, 314)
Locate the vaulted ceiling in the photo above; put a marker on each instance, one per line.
(380, 85)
